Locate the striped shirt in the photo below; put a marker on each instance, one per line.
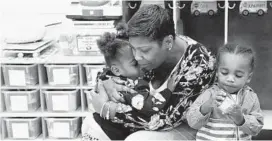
(217, 126)
(217, 129)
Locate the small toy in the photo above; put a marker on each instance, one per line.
(228, 102)
(259, 7)
(199, 7)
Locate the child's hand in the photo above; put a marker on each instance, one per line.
(98, 99)
(212, 102)
(208, 106)
(173, 81)
(219, 98)
(235, 114)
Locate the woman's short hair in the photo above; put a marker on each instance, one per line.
(151, 21)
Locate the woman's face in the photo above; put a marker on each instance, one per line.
(149, 54)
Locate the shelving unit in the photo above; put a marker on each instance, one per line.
(42, 85)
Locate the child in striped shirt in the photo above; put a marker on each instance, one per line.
(229, 110)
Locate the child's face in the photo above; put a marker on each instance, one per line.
(234, 71)
(127, 66)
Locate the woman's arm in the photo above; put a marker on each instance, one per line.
(197, 71)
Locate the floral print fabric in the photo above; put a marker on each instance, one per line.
(196, 70)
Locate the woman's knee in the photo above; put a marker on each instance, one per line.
(150, 135)
(140, 135)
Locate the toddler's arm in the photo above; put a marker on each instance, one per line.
(254, 120)
(198, 115)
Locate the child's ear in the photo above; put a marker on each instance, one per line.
(249, 77)
(115, 70)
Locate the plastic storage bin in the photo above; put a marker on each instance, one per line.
(20, 75)
(89, 102)
(62, 100)
(0, 128)
(2, 103)
(62, 74)
(22, 101)
(23, 128)
(2, 77)
(63, 128)
(91, 73)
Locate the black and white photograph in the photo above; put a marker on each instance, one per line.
(90, 70)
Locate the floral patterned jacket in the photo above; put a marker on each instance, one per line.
(196, 70)
(140, 101)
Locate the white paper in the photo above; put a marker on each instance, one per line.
(60, 102)
(61, 76)
(20, 130)
(19, 103)
(17, 77)
(87, 43)
(61, 130)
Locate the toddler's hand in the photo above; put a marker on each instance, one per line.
(220, 97)
(208, 106)
(234, 112)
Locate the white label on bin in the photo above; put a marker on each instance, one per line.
(61, 76)
(60, 102)
(18, 103)
(20, 130)
(61, 130)
(17, 77)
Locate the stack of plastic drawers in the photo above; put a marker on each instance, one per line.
(2, 103)
(22, 101)
(19, 98)
(62, 74)
(23, 128)
(91, 72)
(89, 102)
(62, 100)
(20, 75)
(63, 128)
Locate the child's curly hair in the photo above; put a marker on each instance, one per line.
(111, 46)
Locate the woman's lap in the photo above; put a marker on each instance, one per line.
(182, 132)
(113, 131)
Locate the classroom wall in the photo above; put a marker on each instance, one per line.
(256, 31)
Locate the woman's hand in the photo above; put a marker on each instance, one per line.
(113, 89)
(100, 98)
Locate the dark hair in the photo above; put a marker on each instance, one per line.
(122, 31)
(238, 49)
(111, 47)
(152, 21)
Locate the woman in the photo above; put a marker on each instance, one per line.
(160, 53)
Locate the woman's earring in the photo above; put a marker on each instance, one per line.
(171, 46)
